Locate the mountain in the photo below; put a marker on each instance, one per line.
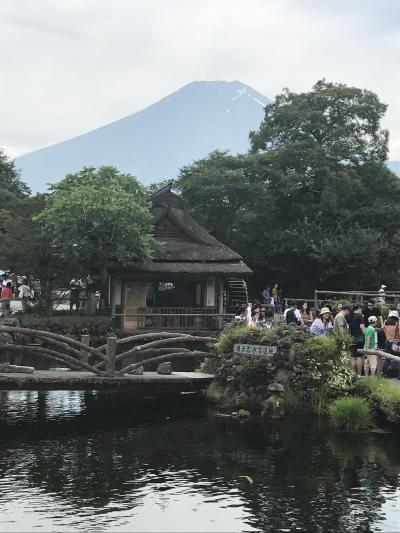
(395, 166)
(154, 143)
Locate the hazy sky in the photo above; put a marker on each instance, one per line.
(69, 66)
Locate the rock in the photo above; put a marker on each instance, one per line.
(7, 368)
(165, 368)
(273, 407)
(139, 371)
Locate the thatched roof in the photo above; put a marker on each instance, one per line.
(191, 268)
(182, 238)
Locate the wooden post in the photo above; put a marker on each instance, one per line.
(316, 300)
(85, 339)
(111, 352)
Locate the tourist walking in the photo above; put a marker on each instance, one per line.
(357, 330)
(371, 343)
(322, 325)
(391, 330)
(340, 324)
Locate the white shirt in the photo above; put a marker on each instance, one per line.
(297, 313)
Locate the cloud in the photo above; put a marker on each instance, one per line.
(70, 66)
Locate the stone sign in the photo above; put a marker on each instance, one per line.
(255, 349)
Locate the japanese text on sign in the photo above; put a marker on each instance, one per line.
(254, 349)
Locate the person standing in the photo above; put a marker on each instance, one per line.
(391, 330)
(306, 314)
(269, 321)
(275, 294)
(372, 310)
(75, 286)
(340, 323)
(322, 325)
(25, 293)
(357, 330)
(292, 315)
(371, 343)
(241, 317)
(6, 294)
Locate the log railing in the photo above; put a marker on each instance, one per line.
(105, 360)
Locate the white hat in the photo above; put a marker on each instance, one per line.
(372, 319)
(393, 313)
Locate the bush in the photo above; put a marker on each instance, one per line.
(351, 413)
(383, 394)
(323, 366)
(72, 325)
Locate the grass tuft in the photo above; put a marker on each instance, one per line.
(351, 413)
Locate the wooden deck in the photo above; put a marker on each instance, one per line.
(148, 384)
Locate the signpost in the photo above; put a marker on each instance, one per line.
(255, 349)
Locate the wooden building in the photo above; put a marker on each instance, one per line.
(193, 282)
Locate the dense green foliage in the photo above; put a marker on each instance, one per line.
(383, 395)
(22, 242)
(313, 203)
(96, 216)
(351, 413)
(72, 324)
(323, 365)
(313, 370)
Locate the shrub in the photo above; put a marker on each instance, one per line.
(323, 366)
(73, 325)
(383, 394)
(351, 413)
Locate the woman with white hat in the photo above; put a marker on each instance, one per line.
(322, 325)
(391, 329)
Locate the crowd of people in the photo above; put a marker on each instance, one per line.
(28, 289)
(13, 285)
(364, 323)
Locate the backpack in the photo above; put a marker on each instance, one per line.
(291, 317)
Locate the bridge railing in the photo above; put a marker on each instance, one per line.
(105, 360)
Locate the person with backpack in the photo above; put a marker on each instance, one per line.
(292, 315)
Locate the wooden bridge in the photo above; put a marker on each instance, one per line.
(82, 367)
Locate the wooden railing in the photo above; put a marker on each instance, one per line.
(176, 318)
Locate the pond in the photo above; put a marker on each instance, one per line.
(73, 461)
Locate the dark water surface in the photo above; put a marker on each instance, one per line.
(73, 461)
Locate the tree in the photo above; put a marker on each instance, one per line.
(224, 196)
(94, 216)
(9, 178)
(344, 121)
(313, 203)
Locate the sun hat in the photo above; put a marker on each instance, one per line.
(372, 319)
(393, 313)
(325, 310)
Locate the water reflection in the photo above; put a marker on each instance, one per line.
(71, 461)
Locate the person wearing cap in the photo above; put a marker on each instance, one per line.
(322, 325)
(340, 324)
(371, 343)
(391, 330)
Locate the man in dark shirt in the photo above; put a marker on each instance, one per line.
(357, 330)
(371, 310)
